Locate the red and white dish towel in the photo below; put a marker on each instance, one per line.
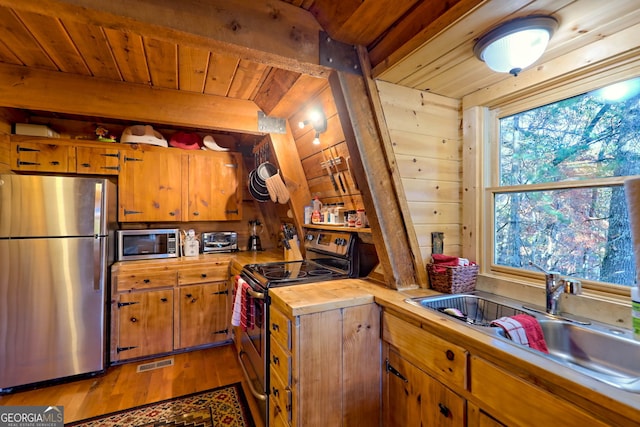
(243, 314)
(442, 261)
(523, 329)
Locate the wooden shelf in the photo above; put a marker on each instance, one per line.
(338, 228)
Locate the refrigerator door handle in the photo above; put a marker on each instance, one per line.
(99, 210)
(99, 264)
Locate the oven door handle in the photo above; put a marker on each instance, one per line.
(254, 294)
(256, 393)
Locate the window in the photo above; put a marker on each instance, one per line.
(558, 199)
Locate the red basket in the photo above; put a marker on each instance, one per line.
(453, 280)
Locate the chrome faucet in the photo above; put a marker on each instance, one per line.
(555, 285)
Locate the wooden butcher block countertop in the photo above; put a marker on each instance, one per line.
(618, 406)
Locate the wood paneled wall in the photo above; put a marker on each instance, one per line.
(426, 136)
(332, 146)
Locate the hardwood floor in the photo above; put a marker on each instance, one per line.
(121, 387)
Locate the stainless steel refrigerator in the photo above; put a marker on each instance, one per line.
(56, 246)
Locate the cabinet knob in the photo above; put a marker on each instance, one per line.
(203, 275)
(274, 391)
(444, 410)
(146, 280)
(450, 355)
(172, 213)
(275, 327)
(163, 299)
(196, 213)
(188, 295)
(133, 320)
(86, 165)
(276, 361)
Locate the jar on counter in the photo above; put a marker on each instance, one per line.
(340, 214)
(352, 216)
(361, 219)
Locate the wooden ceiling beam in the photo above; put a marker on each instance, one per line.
(272, 33)
(21, 87)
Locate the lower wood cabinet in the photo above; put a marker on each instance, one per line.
(165, 305)
(421, 373)
(145, 323)
(203, 314)
(413, 398)
(324, 367)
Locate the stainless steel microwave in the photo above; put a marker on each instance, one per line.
(147, 244)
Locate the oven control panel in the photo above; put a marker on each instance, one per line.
(333, 242)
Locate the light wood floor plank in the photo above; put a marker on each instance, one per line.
(121, 387)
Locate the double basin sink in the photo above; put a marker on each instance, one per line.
(600, 351)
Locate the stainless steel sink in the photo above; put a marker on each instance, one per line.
(609, 355)
(476, 308)
(602, 352)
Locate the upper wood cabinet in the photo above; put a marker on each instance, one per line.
(150, 185)
(41, 155)
(215, 193)
(97, 160)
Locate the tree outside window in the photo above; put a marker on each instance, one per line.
(560, 201)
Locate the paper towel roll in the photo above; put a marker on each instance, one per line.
(632, 193)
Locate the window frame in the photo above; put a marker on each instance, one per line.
(489, 165)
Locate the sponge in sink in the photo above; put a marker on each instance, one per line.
(454, 312)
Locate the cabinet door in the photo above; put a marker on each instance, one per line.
(413, 398)
(145, 322)
(98, 161)
(203, 314)
(215, 193)
(40, 157)
(150, 185)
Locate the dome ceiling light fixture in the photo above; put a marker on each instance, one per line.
(516, 44)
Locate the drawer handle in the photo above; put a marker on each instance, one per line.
(444, 410)
(133, 320)
(163, 299)
(147, 280)
(203, 275)
(276, 360)
(450, 355)
(275, 391)
(275, 327)
(188, 295)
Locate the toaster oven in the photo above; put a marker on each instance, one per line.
(219, 241)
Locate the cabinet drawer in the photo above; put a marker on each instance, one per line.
(516, 402)
(445, 361)
(205, 273)
(145, 280)
(280, 327)
(280, 362)
(280, 402)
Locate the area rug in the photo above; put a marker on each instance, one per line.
(223, 406)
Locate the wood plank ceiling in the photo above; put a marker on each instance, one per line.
(422, 44)
(39, 36)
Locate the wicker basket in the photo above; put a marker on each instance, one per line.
(453, 280)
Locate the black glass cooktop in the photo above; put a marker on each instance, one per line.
(291, 272)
